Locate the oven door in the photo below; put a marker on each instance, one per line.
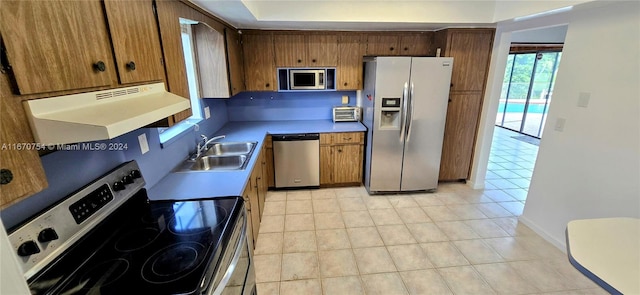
(237, 272)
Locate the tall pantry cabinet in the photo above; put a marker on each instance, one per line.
(471, 52)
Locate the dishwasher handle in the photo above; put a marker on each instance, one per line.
(295, 137)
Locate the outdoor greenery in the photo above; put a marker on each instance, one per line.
(516, 82)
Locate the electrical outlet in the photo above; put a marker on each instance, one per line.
(583, 99)
(207, 113)
(345, 99)
(144, 145)
(559, 126)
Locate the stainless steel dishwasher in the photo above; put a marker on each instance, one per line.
(296, 159)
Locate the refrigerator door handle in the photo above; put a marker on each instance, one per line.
(403, 114)
(410, 112)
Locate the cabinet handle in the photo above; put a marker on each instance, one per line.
(406, 48)
(391, 48)
(450, 100)
(345, 83)
(339, 150)
(6, 176)
(100, 66)
(345, 138)
(313, 60)
(299, 61)
(266, 85)
(131, 66)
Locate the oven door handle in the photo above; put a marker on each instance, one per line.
(234, 261)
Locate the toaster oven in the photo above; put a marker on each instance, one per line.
(346, 114)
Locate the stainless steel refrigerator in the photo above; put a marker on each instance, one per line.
(404, 108)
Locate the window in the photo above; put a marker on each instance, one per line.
(526, 91)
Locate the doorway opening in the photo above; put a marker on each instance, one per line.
(527, 88)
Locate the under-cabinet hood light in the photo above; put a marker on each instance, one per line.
(100, 115)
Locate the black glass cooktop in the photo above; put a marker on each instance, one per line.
(151, 247)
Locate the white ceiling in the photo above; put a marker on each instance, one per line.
(394, 15)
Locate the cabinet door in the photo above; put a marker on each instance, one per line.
(259, 67)
(56, 45)
(169, 13)
(349, 69)
(269, 159)
(24, 165)
(471, 52)
(326, 165)
(382, 45)
(246, 196)
(459, 135)
(235, 62)
(347, 163)
(415, 44)
(134, 33)
(258, 184)
(211, 61)
(290, 50)
(323, 50)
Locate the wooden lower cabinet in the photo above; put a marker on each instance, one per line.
(341, 158)
(255, 193)
(268, 157)
(253, 212)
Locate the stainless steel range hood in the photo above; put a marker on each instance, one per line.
(100, 115)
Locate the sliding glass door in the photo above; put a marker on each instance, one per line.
(526, 91)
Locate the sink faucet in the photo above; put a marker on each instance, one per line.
(200, 149)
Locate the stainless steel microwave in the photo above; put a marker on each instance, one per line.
(307, 79)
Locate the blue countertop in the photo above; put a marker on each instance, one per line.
(210, 184)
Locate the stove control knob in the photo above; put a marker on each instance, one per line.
(127, 179)
(118, 186)
(47, 235)
(135, 174)
(28, 248)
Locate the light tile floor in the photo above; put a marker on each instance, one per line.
(454, 241)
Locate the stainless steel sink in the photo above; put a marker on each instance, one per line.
(230, 148)
(219, 163)
(220, 156)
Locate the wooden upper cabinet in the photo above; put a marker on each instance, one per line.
(297, 50)
(415, 44)
(24, 164)
(235, 61)
(382, 44)
(349, 69)
(471, 52)
(134, 33)
(169, 13)
(322, 51)
(259, 64)
(290, 50)
(211, 61)
(57, 45)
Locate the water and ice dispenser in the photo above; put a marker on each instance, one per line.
(390, 113)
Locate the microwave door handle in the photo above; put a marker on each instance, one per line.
(403, 112)
(410, 113)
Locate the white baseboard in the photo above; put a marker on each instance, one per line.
(475, 185)
(560, 244)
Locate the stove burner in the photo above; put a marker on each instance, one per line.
(158, 215)
(196, 222)
(173, 262)
(137, 239)
(103, 274)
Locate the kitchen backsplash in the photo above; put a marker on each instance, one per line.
(272, 106)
